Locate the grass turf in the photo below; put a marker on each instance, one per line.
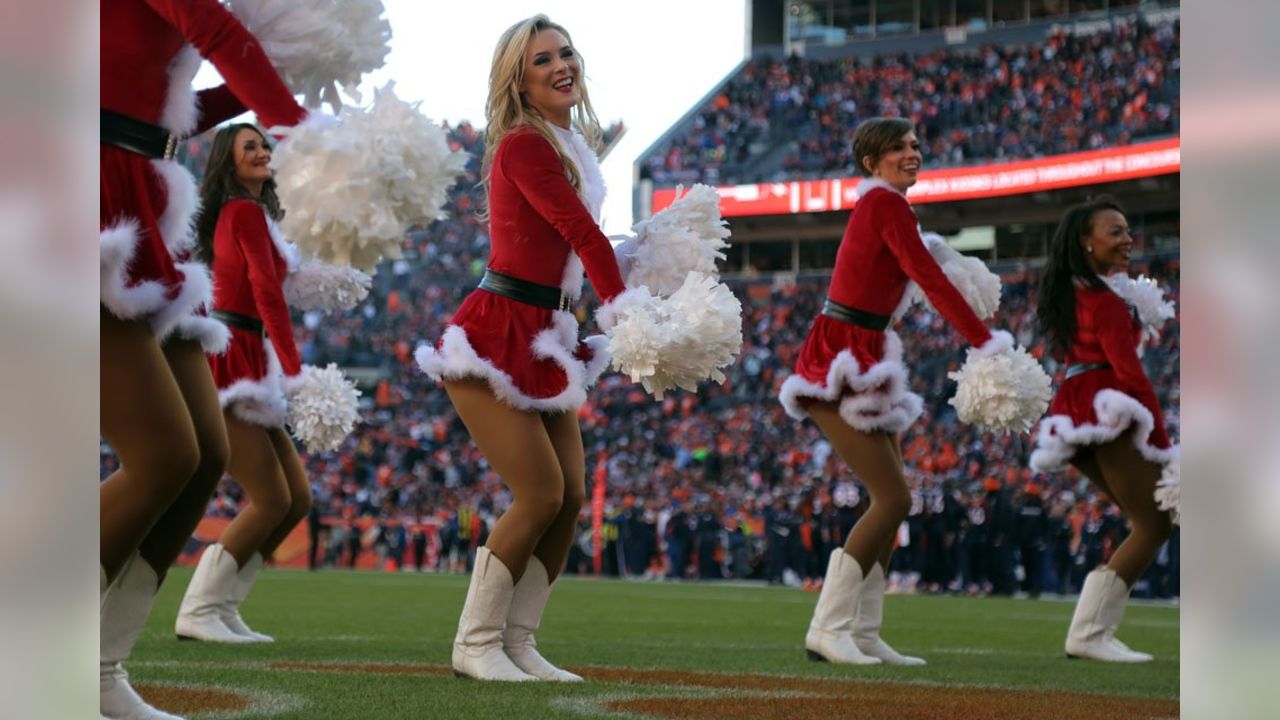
(407, 622)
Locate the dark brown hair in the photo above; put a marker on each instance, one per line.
(875, 137)
(1056, 306)
(220, 185)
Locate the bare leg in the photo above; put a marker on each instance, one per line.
(165, 541)
(566, 438)
(145, 420)
(299, 489)
(1132, 478)
(874, 457)
(518, 448)
(256, 467)
(1087, 463)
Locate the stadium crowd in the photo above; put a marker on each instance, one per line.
(995, 103)
(717, 484)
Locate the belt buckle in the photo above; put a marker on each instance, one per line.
(565, 303)
(170, 146)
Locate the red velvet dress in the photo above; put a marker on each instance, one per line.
(250, 261)
(540, 231)
(151, 50)
(880, 255)
(1098, 406)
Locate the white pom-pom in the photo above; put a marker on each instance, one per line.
(323, 407)
(353, 187)
(688, 236)
(1169, 490)
(1001, 391)
(320, 286)
(979, 286)
(318, 46)
(665, 343)
(1146, 297)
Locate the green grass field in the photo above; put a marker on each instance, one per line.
(373, 646)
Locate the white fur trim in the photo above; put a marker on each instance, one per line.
(1059, 438)
(608, 314)
(181, 202)
(261, 402)
(117, 246)
(1000, 341)
(456, 359)
(575, 146)
(180, 113)
(868, 408)
(197, 290)
(288, 251)
(211, 333)
(571, 278)
(866, 185)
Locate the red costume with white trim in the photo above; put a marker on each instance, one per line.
(151, 50)
(540, 231)
(880, 255)
(1097, 406)
(250, 261)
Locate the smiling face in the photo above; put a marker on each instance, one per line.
(252, 156)
(552, 76)
(899, 164)
(1108, 244)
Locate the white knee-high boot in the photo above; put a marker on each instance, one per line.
(830, 636)
(477, 648)
(1098, 613)
(124, 613)
(230, 611)
(870, 617)
(208, 594)
(528, 601)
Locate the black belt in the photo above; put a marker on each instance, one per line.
(238, 321)
(138, 137)
(1075, 369)
(530, 293)
(854, 316)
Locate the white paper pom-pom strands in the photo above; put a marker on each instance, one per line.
(326, 288)
(319, 46)
(1169, 490)
(323, 407)
(687, 236)
(352, 187)
(1002, 392)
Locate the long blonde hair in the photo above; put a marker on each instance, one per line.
(506, 109)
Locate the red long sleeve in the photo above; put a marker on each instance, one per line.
(235, 52)
(1116, 336)
(533, 166)
(216, 105)
(249, 225)
(898, 228)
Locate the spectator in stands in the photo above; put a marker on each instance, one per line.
(851, 380)
(235, 237)
(1105, 418)
(511, 361)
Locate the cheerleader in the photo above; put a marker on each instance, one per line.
(238, 238)
(850, 379)
(511, 360)
(159, 404)
(1104, 419)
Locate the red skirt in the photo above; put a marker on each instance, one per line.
(250, 380)
(1089, 409)
(860, 367)
(144, 224)
(531, 357)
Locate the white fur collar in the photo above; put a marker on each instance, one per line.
(868, 184)
(180, 113)
(575, 147)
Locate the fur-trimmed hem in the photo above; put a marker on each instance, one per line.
(869, 408)
(456, 359)
(181, 201)
(211, 333)
(117, 246)
(1060, 438)
(262, 401)
(197, 291)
